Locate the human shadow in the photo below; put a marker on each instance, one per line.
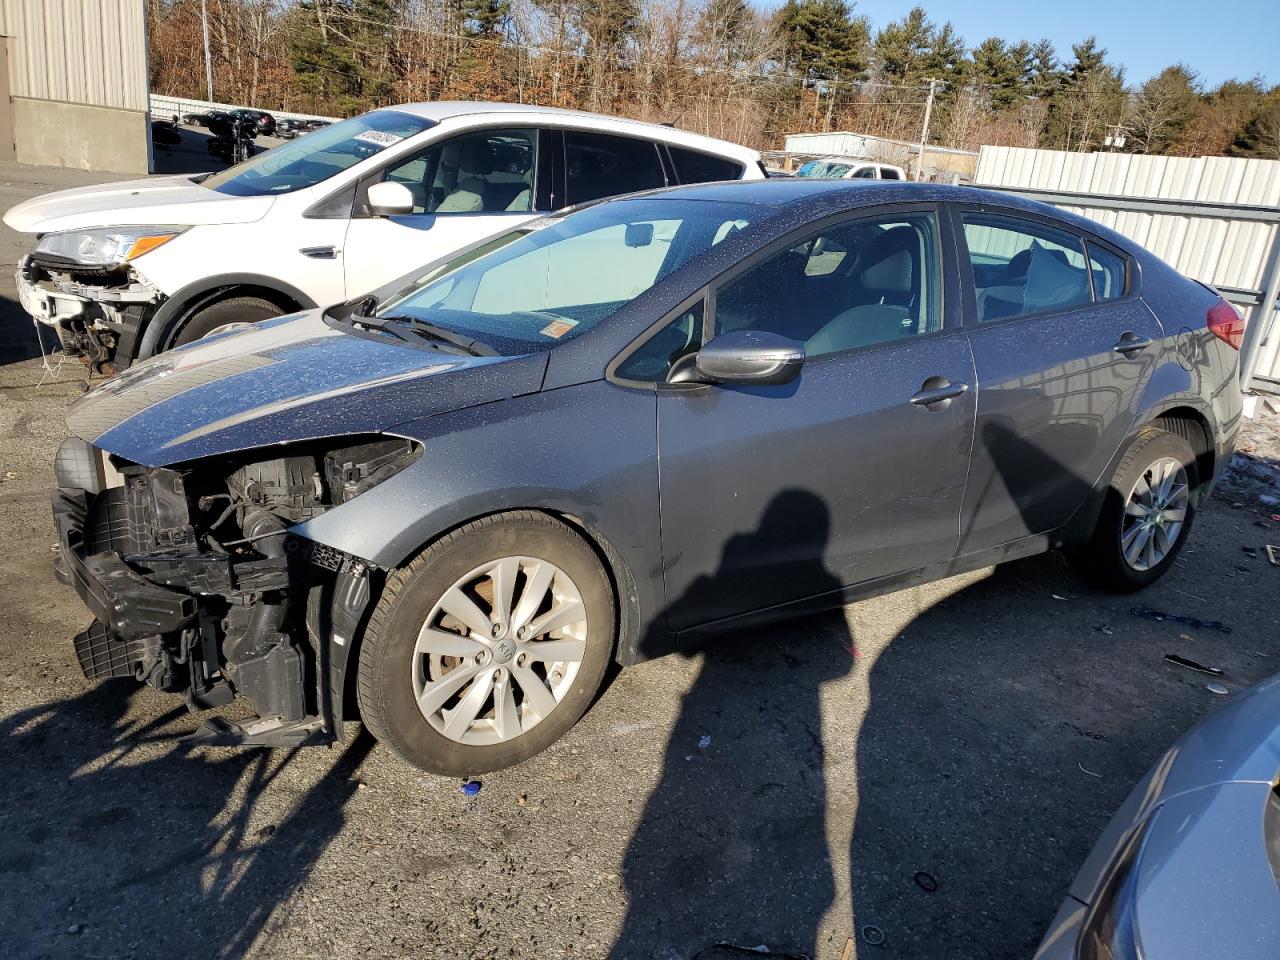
(118, 842)
(731, 848)
(985, 768)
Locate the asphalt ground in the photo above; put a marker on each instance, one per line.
(928, 767)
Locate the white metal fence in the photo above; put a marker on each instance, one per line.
(166, 108)
(1216, 219)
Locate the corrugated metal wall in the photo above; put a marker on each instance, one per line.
(1226, 252)
(78, 51)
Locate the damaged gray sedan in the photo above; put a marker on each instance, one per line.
(448, 508)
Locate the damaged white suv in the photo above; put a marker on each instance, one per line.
(126, 270)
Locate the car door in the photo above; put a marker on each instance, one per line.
(856, 468)
(465, 188)
(1063, 348)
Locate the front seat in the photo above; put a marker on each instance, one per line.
(467, 195)
(891, 276)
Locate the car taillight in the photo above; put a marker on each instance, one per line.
(1225, 324)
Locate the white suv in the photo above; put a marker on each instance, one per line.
(126, 270)
(847, 168)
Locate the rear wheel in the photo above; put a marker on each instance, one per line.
(1147, 514)
(223, 313)
(488, 647)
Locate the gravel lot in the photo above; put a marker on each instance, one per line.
(980, 730)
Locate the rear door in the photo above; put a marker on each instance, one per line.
(774, 493)
(1063, 348)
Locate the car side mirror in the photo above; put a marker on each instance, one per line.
(749, 356)
(390, 199)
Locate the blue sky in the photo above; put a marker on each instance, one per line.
(1220, 39)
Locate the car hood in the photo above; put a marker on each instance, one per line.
(1238, 744)
(156, 200)
(292, 378)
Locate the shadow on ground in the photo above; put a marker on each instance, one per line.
(170, 822)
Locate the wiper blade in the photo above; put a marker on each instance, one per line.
(477, 348)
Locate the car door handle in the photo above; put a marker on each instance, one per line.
(936, 393)
(319, 253)
(1130, 342)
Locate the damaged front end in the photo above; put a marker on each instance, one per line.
(97, 312)
(197, 585)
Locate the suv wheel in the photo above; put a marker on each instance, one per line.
(1147, 514)
(224, 313)
(488, 647)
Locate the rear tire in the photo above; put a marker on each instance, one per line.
(1146, 517)
(233, 310)
(461, 695)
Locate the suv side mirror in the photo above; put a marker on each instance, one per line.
(749, 356)
(389, 199)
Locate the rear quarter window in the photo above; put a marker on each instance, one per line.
(695, 167)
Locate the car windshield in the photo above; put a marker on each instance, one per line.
(559, 279)
(823, 170)
(316, 158)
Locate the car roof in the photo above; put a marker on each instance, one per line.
(442, 110)
(805, 199)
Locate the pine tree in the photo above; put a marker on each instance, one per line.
(822, 40)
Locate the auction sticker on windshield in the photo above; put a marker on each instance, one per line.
(558, 328)
(378, 138)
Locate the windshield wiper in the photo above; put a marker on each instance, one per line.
(429, 331)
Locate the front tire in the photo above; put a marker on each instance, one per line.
(223, 313)
(488, 647)
(1147, 514)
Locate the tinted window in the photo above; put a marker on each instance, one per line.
(653, 358)
(852, 285)
(888, 173)
(1022, 268)
(694, 167)
(486, 172)
(1108, 273)
(317, 156)
(599, 165)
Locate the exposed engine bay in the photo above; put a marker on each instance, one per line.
(197, 586)
(97, 312)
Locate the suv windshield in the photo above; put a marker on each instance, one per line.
(823, 170)
(317, 156)
(558, 281)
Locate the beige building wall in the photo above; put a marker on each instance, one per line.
(78, 83)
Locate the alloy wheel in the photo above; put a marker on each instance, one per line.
(1155, 514)
(499, 650)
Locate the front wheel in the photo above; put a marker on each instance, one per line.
(1147, 514)
(488, 647)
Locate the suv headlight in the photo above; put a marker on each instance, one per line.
(105, 248)
(1110, 931)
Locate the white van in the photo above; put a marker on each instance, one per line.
(126, 270)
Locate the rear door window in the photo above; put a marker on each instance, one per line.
(601, 165)
(695, 167)
(889, 173)
(1021, 267)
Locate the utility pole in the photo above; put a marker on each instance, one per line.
(208, 63)
(924, 132)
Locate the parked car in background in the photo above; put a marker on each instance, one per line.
(1190, 864)
(288, 129)
(263, 123)
(129, 269)
(164, 133)
(317, 124)
(847, 168)
(443, 500)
